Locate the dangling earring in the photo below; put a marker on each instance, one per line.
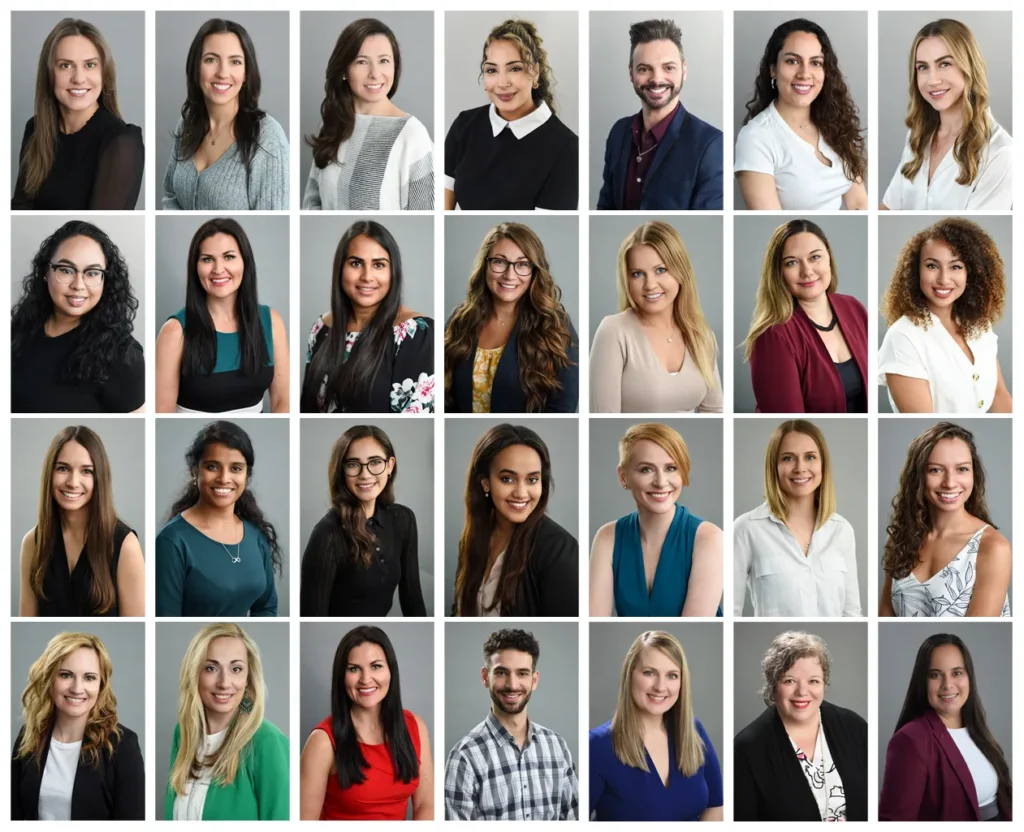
(487, 494)
(245, 706)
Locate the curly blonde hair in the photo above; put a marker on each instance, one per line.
(524, 36)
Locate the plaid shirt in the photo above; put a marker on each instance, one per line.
(488, 777)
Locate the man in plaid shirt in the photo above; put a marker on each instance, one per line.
(509, 767)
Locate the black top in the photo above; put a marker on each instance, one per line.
(769, 783)
(113, 790)
(853, 384)
(540, 170)
(67, 593)
(365, 590)
(99, 168)
(36, 386)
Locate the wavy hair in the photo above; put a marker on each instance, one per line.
(524, 36)
(824, 497)
(786, 650)
(665, 438)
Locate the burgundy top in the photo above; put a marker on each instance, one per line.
(636, 172)
(791, 369)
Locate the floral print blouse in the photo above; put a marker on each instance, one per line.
(485, 365)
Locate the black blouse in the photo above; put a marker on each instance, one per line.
(365, 590)
(67, 592)
(853, 386)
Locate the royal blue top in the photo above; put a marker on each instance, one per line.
(621, 792)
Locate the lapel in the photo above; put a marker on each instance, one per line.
(954, 758)
(790, 778)
(667, 142)
(33, 780)
(850, 327)
(505, 393)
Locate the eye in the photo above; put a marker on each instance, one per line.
(964, 469)
(92, 64)
(385, 60)
(377, 666)
(645, 469)
(516, 69)
(636, 274)
(88, 472)
(534, 480)
(671, 469)
(673, 675)
(958, 673)
(490, 70)
(660, 270)
(816, 63)
(65, 674)
(957, 266)
(815, 256)
(380, 265)
(788, 264)
(354, 263)
(237, 668)
(507, 479)
(90, 677)
(237, 62)
(209, 59)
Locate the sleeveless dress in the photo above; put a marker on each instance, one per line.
(67, 591)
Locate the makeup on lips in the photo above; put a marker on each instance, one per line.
(73, 477)
(656, 681)
(222, 67)
(508, 81)
(367, 675)
(651, 286)
(220, 266)
(77, 683)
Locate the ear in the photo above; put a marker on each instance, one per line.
(630, 70)
(484, 676)
(684, 71)
(622, 477)
(536, 679)
(390, 466)
(485, 485)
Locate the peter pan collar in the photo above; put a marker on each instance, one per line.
(521, 127)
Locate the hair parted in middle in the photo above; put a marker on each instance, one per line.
(824, 497)
(511, 639)
(786, 649)
(665, 438)
(647, 31)
(524, 36)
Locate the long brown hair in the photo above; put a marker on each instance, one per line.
(527, 40)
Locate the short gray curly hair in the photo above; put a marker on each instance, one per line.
(786, 649)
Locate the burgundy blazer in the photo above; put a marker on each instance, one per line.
(792, 371)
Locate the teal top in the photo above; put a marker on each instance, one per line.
(260, 788)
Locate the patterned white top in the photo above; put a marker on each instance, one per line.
(823, 778)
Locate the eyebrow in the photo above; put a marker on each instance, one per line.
(516, 473)
(210, 253)
(364, 259)
(217, 55)
(943, 58)
(65, 260)
(232, 661)
(508, 63)
(939, 464)
(71, 60)
(65, 462)
(937, 260)
(958, 667)
(379, 55)
(647, 462)
(812, 251)
(798, 55)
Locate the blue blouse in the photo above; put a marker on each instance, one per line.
(622, 793)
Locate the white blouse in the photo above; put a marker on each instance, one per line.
(770, 565)
(956, 385)
(189, 806)
(58, 781)
(823, 778)
(983, 773)
(766, 144)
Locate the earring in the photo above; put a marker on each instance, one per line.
(245, 706)
(487, 494)
(773, 83)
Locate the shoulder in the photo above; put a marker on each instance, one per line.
(999, 140)
(272, 136)
(843, 716)
(779, 337)
(549, 532)
(916, 732)
(252, 528)
(30, 126)
(756, 733)
(173, 529)
(707, 533)
(605, 536)
(403, 513)
(175, 321)
(617, 324)
(994, 546)
(700, 128)
(750, 518)
(122, 530)
(412, 326)
(322, 323)
(559, 130)
(415, 132)
(848, 303)
(414, 722)
(467, 118)
(269, 735)
(621, 126)
(125, 739)
(758, 128)
(28, 542)
(479, 734)
(601, 735)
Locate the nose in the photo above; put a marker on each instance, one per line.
(805, 269)
(659, 477)
(222, 682)
(519, 491)
(947, 478)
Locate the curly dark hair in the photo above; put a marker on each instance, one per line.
(981, 304)
(105, 331)
(528, 41)
(833, 111)
(510, 639)
(911, 519)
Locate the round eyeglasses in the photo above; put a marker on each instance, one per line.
(65, 274)
(376, 466)
(499, 265)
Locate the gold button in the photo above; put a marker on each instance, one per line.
(975, 377)
(981, 403)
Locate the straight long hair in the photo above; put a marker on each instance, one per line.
(824, 497)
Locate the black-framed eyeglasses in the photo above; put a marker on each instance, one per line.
(376, 466)
(65, 274)
(499, 265)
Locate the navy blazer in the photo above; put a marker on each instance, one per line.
(686, 174)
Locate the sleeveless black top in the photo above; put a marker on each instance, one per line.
(67, 592)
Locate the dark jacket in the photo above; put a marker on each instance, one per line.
(686, 174)
(769, 784)
(113, 790)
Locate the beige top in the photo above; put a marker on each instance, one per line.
(485, 595)
(627, 377)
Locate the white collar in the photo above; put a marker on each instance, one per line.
(521, 127)
(764, 512)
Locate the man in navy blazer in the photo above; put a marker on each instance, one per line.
(663, 158)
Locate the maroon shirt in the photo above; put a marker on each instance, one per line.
(643, 148)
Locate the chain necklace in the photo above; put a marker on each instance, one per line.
(237, 556)
(640, 154)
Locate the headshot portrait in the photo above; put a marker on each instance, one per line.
(488, 761)
(656, 744)
(942, 754)
(367, 143)
(655, 518)
(945, 335)
(222, 549)
(802, 551)
(223, 134)
(510, 344)
(668, 155)
(510, 531)
(944, 143)
(801, 691)
(222, 742)
(800, 110)
(511, 111)
(366, 518)
(78, 719)
(806, 347)
(945, 518)
(368, 350)
(370, 757)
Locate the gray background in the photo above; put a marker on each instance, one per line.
(848, 450)
(990, 644)
(611, 93)
(127, 232)
(172, 640)
(319, 31)
(847, 641)
(702, 237)
(465, 34)
(555, 703)
(413, 440)
(125, 642)
(124, 441)
(848, 33)
(174, 32)
(848, 237)
(125, 35)
(270, 481)
(992, 30)
(461, 435)
(893, 233)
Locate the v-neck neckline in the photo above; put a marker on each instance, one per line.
(657, 774)
(814, 149)
(654, 355)
(649, 593)
(959, 350)
(927, 163)
(951, 561)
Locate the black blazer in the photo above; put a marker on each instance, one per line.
(113, 790)
(769, 784)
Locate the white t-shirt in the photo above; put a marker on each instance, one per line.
(189, 806)
(766, 144)
(986, 780)
(59, 780)
(956, 385)
(991, 190)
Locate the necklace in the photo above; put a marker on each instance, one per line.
(237, 556)
(640, 154)
(213, 139)
(830, 327)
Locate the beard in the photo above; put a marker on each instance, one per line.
(641, 91)
(504, 707)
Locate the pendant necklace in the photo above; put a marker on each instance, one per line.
(640, 154)
(237, 557)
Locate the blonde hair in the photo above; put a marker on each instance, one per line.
(687, 313)
(627, 729)
(824, 498)
(664, 437)
(786, 650)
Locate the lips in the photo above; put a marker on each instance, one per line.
(659, 91)
(942, 293)
(517, 505)
(223, 492)
(366, 486)
(657, 700)
(505, 97)
(75, 302)
(659, 496)
(366, 291)
(654, 298)
(807, 283)
(220, 281)
(367, 691)
(802, 89)
(373, 87)
(800, 480)
(937, 94)
(72, 495)
(74, 700)
(800, 704)
(508, 287)
(948, 697)
(948, 496)
(511, 698)
(221, 88)
(79, 93)
(223, 698)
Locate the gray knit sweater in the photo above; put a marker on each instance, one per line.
(221, 187)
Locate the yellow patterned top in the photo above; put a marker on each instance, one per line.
(485, 364)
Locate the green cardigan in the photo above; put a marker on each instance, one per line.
(260, 789)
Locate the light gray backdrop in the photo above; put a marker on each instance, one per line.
(990, 644)
(172, 641)
(611, 93)
(847, 641)
(270, 483)
(555, 703)
(847, 32)
(895, 230)
(848, 449)
(413, 440)
(848, 237)
(993, 31)
(465, 34)
(125, 35)
(461, 435)
(318, 34)
(124, 442)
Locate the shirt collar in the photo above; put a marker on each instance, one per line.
(763, 512)
(381, 515)
(501, 733)
(521, 127)
(659, 130)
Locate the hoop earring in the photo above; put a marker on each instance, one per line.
(773, 84)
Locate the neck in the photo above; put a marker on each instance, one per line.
(652, 724)
(372, 108)
(217, 722)
(223, 310)
(800, 116)
(59, 323)
(800, 508)
(75, 522)
(369, 507)
(221, 115)
(658, 320)
(69, 729)
(818, 310)
(361, 316)
(214, 514)
(951, 122)
(515, 115)
(653, 117)
(504, 310)
(951, 720)
(502, 531)
(802, 728)
(74, 120)
(654, 525)
(946, 521)
(516, 724)
(944, 314)
(366, 721)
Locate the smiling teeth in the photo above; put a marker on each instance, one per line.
(71, 495)
(222, 490)
(221, 87)
(802, 481)
(654, 297)
(516, 505)
(947, 495)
